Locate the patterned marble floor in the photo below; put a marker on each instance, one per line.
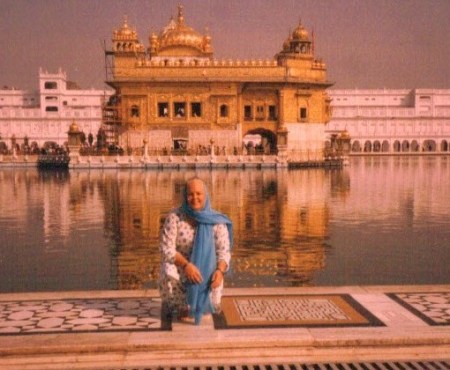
(433, 308)
(83, 322)
(309, 310)
(79, 315)
(19, 317)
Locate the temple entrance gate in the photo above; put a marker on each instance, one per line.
(260, 141)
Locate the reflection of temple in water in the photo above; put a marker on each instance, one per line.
(100, 229)
(280, 217)
(280, 220)
(292, 226)
(277, 240)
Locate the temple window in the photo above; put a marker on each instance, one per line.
(247, 112)
(51, 109)
(50, 85)
(224, 110)
(163, 109)
(134, 111)
(303, 114)
(272, 112)
(260, 112)
(196, 109)
(51, 98)
(179, 109)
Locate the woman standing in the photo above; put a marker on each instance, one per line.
(195, 254)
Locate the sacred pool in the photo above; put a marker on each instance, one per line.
(380, 220)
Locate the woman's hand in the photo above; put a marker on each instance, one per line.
(193, 273)
(216, 279)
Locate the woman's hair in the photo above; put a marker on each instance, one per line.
(195, 178)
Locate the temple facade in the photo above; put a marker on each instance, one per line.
(175, 95)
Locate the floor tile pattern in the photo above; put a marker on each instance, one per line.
(79, 315)
(289, 309)
(296, 310)
(433, 308)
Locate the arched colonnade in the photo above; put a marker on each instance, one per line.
(399, 146)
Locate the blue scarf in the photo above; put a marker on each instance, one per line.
(203, 255)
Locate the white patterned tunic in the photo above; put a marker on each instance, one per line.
(178, 235)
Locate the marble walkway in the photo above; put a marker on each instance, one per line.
(125, 330)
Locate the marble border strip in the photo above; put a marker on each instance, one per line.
(431, 307)
(357, 315)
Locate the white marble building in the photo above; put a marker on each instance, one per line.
(45, 115)
(392, 121)
(378, 121)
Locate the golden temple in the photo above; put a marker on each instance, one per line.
(176, 95)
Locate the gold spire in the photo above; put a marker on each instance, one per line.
(180, 15)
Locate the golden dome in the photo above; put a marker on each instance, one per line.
(300, 33)
(125, 32)
(74, 127)
(178, 34)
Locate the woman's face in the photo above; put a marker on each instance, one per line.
(196, 196)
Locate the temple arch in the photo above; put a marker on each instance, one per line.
(415, 146)
(429, 146)
(376, 146)
(267, 144)
(385, 147)
(405, 146)
(3, 148)
(356, 146)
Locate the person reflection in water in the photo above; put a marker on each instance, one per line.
(195, 247)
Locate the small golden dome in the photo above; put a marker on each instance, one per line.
(345, 134)
(206, 43)
(74, 127)
(125, 32)
(300, 33)
(207, 38)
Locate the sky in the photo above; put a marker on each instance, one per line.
(366, 44)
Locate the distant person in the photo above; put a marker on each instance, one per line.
(195, 254)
